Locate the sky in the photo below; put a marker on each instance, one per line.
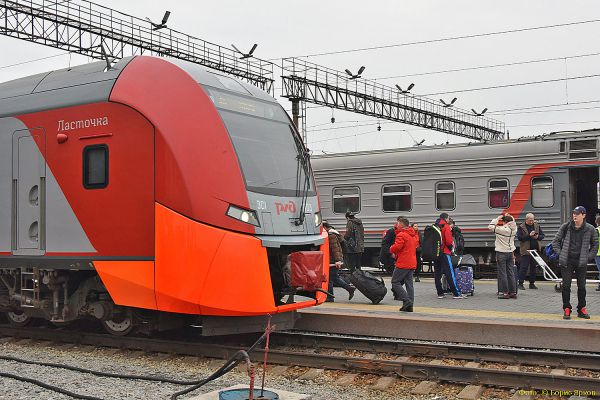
(285, 29)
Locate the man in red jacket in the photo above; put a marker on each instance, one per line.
(444, 265)
(404, 250)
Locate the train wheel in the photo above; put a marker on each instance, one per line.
(18, 318)
(120, 325)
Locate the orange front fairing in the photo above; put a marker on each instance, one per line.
(129, 283)
(201, 269)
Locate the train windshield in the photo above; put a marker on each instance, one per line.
(265, 145)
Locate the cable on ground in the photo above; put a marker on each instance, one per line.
(237, 358)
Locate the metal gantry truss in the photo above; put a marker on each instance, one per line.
(92, 30)
(304, 81)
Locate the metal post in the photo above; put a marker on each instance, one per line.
(295, 112)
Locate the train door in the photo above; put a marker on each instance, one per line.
(28, 197)
(583, 190)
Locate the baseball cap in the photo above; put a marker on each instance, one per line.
(579, 210)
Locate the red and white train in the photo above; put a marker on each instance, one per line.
(148, 191)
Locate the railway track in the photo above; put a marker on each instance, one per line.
(388, 357)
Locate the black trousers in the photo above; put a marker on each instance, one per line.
(353, 261)
(567, 275)
(336, 280)
(526, 264)
(419, 262)
(443, 265)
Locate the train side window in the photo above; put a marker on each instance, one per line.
(346, 199)
(95, 166)
(445, 196)
(397, 198)
(542, 191)
(498, 193)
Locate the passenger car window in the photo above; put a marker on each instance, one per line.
(445, 196)
(498, 193)
(346, 199)
(542, 191)
(95, 166)
(396, 197)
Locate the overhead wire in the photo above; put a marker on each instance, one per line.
(34, 60)
(450, 38)
(509, 64)
(514, 85)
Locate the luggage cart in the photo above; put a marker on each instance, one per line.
(549, 275)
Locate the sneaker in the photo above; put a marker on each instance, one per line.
(441, 296)
(418, 280)
(583, 314)
(532, 286)
(457, 297)
(512, 295)
(407, 307)
(504, 296)
(567, 314)
(351, 292)
(521, 286)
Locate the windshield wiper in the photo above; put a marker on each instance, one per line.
(303, 161)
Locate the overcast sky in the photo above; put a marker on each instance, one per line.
(286, 28)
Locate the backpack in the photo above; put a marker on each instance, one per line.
(432, 243)
(550, 253)
(459, 241)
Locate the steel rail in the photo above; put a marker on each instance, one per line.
(401, 368)
(509, 355)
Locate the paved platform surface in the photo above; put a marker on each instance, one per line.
(543, 304)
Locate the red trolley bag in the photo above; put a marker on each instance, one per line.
(307, 270)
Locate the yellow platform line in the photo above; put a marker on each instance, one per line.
(447, 311)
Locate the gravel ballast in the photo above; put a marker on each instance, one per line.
(128, 362)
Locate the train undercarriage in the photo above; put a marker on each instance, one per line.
(59, 296)
(64, 296)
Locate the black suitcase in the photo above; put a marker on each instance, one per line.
(370, 285)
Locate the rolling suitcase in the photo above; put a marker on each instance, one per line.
(464, 274)
(368, 284)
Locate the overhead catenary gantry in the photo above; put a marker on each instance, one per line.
(303, 81)
(99, 32)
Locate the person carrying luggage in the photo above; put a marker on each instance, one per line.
(443, 264)
(385, 257)
(419, 237)
(335, 262)
(404, 250)
(530, 235)
(355, 241)
(576, 244)
(505, 229)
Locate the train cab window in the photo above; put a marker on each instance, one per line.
(396, 198)
(542, 191)
(445, 198)
(346, 199)
(498, 193)
(95, 166)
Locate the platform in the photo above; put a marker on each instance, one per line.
(532, 320)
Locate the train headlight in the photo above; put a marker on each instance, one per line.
(246, 216)
(318, 218)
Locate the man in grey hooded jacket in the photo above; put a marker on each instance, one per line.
(576, 244)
